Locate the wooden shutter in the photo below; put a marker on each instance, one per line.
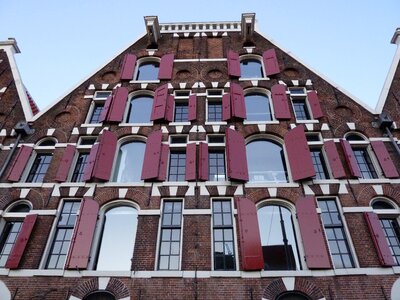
(233, 64)
(334, 160)
(105, 156)
(160, 103)
(226, 107)
(298, 153)
(251, 254)
(19, 163)
(162, 169)
(106, 108)
(386, 163)
(18, 249)
(237, 101)
(313, 100)
(190, 172)
(236, 156)
(271, 62)
(118, 105)
(378, 237)
(169, 111)
(81, 242)
(280, 102)
(166, 66)
(316, 252)
(152, 156)
(203, 161)
(192, 108)
(65, 164)
(350, 158)
(128, 66)
(87, 174)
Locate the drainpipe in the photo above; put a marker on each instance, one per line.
(385, 122)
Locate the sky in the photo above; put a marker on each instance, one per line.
(64, 42)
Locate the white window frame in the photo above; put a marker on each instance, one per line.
(92, 105)
(141, 61)
(266, 93)
(128, 103)
(253, 57)
(182, 99)
(217, 146)
(214, 98)
(301, 96)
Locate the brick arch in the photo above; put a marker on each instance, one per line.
(114, 286)
(391, 193)
(277, 287)
(365, 195)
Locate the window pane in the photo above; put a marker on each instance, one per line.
(257, 108)
(140, 109)
(177, 166)
(364, 163)
(39, 168)
(79, 170)
(148, 71)
(96, 113)
(216, 165)
(300, 109)
(214, 108)
(129, 162)
(181, 111)
(251, 68)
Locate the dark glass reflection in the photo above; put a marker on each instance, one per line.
(140, 109)
(251, 68)
(100, 296)
(292, 296)
(379, 204)
(129, 162)
(257, 108)
(148, 71)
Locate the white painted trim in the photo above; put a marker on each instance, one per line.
(357, 209)
(199, 60)
(197, 212)
(149, 212)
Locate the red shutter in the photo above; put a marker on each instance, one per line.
(160, 103)
(65, 164)
(82, 238)
(20, 244)
(236, 156)
(118, 104)
(105, 156)
(350, 158)
(280, 102)
(226, 107)
(192, 108)
(190, 172)
(271, 62)
(313, 100)
(203, 161)
(152, 156)
(128, 67)
(87, 174)
(334, 160)
(316, 252)
(162, 169)
(249, 235)
(386, 163)
(233, 64)
(20, 161)
(379, 239)
(166, 66)
(298, 153)
(106, 108)
(169, 111)
(237, 101)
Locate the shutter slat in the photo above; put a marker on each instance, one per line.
(128, 66)
(192, 108)
(313, 100)
(251, 254)
(298, 153)
(18, 249)
(106, 108)
(237, 101)
(152, 156)
(105, 156)
(65, 164)
(316, 252)
(203, 161)
(350, 158)
(81, 242)
(378, 237)
(190, 172)
(118, 105)
(233, 64)
(271, 62)
(280, 102)
(162, 170)
(334, 160)
(87, 174)
(19, 163)
(386, 163)
(236, 156)
(166, 66)
(226, 107)
(160, 103)
(169, 111)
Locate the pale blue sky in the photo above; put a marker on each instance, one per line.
(63, 42)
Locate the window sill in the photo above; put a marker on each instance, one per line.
(124, 184)
(254, 79)
(144, 81)
(216, 123)
(72, 184)
(271, 185)
(326, 181)
(92, 125)
(260, 122)
(179, 123)
(218, 183)
(33, 184)
(307, 121)
(135, 124)
(370, 181)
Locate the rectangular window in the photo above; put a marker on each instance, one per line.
(39, 167)
(7, 240)
(334, 229)
(181, 110)
(364, 163)
(223, 241)
(216, 165)
(97, 109)
(77, 175)
(300, 109)
(177, 166)
(321, 172)
(392, 233)
(99, 99)
(214, 105)
(65, 227)
(170, 236)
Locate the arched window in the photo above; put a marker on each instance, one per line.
(147, 70)
(129, 162)
(41, 163)
(99, 296)
(140, 109)
(251, 67)
(117, 238)
(258, 107)
(278, 238)
(266, 161)
(292, 296)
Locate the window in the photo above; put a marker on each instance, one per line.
(177, 165)
(99, 296)
(62, 238)
(293, 296)
(129, 162)
(300, 105)
(214, 105)
(258, 107)
(140, 109)
(216, 158)
(147, 70)
(181, 111)
(118, 236)
(334, 230)
(223, 239)
(266, 161)
(77, 175)
(42, 161)
(251, 67)
(96, 108)
(170, 236)
(321, 171)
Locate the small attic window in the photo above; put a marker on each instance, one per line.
(354, 137)
(47, 143)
